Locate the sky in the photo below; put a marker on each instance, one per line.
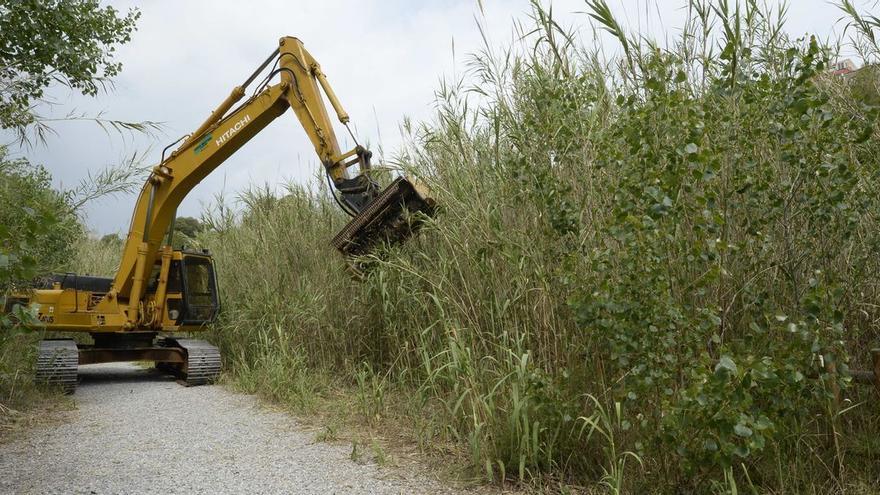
(384, 58)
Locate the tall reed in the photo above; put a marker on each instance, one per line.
(685, 235)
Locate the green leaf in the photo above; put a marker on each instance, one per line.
(742, 430)
(725, 365)
(741, 451)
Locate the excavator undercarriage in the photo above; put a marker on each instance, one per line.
(191, 361)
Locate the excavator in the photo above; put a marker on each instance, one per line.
(159, 292)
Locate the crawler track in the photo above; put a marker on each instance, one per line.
(202, 361)
(57, 363)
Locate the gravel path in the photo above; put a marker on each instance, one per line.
(136, 431)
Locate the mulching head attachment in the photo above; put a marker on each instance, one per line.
(385, 219)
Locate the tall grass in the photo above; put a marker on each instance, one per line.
(674, 251)
(17, 389)
(96, 257)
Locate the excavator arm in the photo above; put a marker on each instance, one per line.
(378, 216)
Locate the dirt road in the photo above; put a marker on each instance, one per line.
(136, 431)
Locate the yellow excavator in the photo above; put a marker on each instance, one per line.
(159, 291)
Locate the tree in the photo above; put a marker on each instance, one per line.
(46, 42)
(43, 43)
(38, 226)
(111, 239)
(187, 226)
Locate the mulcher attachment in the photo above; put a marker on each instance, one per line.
(385, 219)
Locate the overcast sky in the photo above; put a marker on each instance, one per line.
(384, 58)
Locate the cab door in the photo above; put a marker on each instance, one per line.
(199, 284)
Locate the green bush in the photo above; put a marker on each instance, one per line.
(38, 226)
(38, 232)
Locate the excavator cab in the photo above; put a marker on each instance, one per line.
(200, 304)
(192, 289)
(191, 298)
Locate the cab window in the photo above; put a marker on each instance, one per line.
(200, 297)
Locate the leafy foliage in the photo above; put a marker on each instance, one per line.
(38, 229)
(70, 43)
(37, 224)
(188, 227)
(60, 41)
